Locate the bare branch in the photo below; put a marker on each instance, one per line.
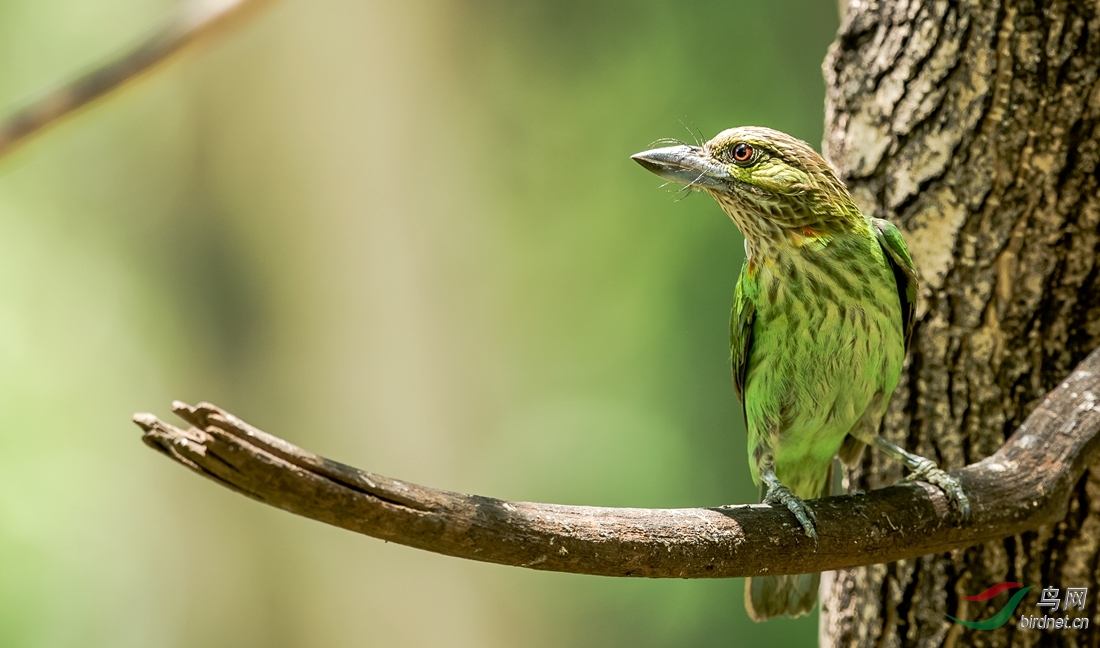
(191, 23)
(1027, 483)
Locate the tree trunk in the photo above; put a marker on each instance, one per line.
(974, 127)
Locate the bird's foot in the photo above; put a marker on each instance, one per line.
(928, 471)
(781, 495)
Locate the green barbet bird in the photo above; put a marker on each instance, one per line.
(822, 316)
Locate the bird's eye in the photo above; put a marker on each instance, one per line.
(742, 153)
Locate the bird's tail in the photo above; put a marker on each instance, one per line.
(770, 596)
(792, 595)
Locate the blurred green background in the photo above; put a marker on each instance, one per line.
(405, 235)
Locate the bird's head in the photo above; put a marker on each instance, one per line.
(767, 181)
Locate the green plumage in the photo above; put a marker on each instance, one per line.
(817, 343)
(822, 315)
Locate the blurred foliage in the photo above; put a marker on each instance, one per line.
(406, 235)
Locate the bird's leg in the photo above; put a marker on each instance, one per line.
(778, 494)
(925, 470)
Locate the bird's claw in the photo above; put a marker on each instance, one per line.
(782, 496)
(933, 474)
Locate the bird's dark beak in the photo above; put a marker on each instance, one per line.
(686, 165)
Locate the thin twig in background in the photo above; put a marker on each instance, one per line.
(191, 22)
(1026, 484)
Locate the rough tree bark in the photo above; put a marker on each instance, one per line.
(974, 127)
(1014, 490)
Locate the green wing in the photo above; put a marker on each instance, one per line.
(904, 273)
(741, 321)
